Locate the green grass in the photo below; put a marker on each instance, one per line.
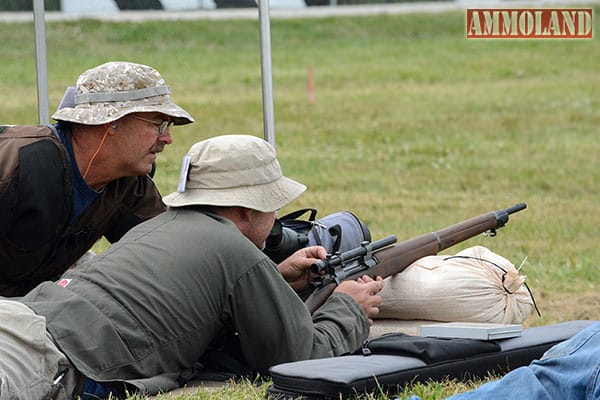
(414, 127)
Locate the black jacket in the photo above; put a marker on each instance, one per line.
(37, 239)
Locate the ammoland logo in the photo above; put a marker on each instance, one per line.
(529, 23)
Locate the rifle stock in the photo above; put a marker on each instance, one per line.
(394, 259)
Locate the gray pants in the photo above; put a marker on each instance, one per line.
(31, 366)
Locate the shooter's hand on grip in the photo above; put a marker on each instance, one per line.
(365, 291)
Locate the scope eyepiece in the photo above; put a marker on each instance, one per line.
(282, 242)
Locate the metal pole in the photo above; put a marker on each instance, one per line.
(40, 60)
(267, 79)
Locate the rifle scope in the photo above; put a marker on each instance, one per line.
(352, 254)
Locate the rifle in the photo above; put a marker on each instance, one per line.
(381, 258)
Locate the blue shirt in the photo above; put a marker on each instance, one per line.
(83, 194)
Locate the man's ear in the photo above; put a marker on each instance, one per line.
(242, 217)
(245, 214)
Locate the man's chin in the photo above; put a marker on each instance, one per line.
(149, 170)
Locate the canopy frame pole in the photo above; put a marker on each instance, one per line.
(266, 71)
(40, 60)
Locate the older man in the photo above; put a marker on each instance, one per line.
(62, 187)
(194, 278)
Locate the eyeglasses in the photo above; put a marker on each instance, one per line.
(163, 125)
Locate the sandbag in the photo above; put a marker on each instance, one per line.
(475, 285)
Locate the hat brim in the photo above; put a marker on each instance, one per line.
(102, 113)
(265, 198)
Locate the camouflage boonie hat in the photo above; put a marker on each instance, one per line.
(114, 89)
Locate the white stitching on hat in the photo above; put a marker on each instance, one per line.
(101, 97)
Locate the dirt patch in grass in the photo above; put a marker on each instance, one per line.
(557, 307)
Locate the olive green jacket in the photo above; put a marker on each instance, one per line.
(146, 309)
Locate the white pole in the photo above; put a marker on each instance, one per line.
(267, 78)
(40, 60)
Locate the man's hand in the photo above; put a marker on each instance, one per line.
(365, 291)
(296, 268)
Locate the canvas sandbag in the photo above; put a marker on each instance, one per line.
(475, 285)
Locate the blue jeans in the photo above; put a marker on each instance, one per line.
(569, 370)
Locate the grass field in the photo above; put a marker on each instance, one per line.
(413, 127)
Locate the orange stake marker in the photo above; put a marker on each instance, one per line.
(310, 85)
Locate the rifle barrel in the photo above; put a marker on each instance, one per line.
(502, 215)
(394, 259)
(516, 208)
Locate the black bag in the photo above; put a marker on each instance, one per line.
(428, 349)
(337, 232)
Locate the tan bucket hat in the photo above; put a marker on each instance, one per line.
(117, 88)
(234, 170)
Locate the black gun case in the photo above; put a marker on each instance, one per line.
(344, 376)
